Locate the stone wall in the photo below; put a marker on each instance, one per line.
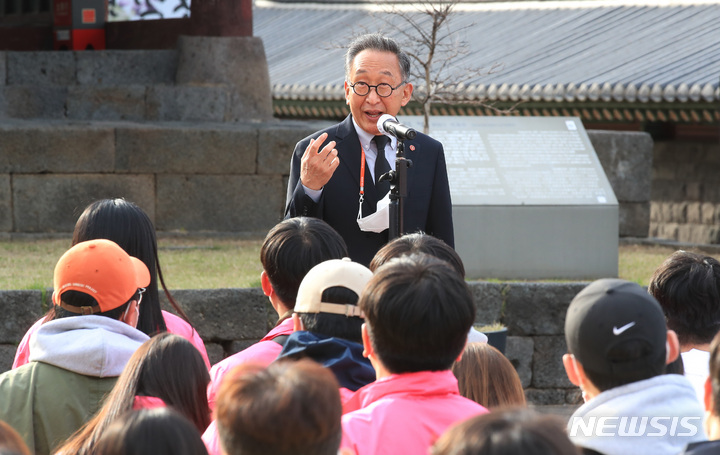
(686, 192)
(187, 177)
(229, 320)
(627, 159)
(207, 79)
(187, 134)
(207, 176)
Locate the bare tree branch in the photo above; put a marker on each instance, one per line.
(435, 46)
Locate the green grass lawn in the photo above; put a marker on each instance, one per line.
(187, 262)
(224, 262)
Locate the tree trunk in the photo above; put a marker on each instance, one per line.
(426, 116)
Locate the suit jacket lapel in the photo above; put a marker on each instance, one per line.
(348, 147)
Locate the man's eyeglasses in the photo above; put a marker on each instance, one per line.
(383, 90)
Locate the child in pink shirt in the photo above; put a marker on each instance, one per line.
(289, 251)
(418, 311)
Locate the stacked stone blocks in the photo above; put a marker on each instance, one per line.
(207, 176)
(206, 79)
(188, 177)
(185, 133)
(627, 160)
(229, 320)
(685, 203)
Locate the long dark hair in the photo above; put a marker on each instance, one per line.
(151, 432)
(167, 367)
(128, 225)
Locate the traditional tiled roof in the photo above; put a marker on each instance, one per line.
(625, 61)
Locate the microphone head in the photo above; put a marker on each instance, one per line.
(381, 123)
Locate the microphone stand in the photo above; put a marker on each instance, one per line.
(398, 191)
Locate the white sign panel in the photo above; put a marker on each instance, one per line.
(519, 160)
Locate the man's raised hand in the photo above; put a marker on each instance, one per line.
(317, 166)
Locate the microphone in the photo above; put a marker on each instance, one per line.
(388, 125)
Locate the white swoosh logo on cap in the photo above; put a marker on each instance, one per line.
(618, 331)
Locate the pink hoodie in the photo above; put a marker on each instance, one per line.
(404, 413)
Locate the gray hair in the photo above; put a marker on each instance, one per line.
(376, 42)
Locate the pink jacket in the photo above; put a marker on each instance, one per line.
(211, 438)
(263, 352)
(404, 413)
(143, 402)
(175, 324)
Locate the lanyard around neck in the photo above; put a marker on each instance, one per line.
(362, 174)
(362, 171)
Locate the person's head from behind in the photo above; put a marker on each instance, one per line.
(327, 299)
(126, 224)
(170, 368)
(376, 60)
(160, 431)
(487, 377)
(418, 243)
(123, 222)
(291, 249)
(288, 408)
(166, 370)
(418, 311)
(506, 432)
(687, 286)
(421, 243)
(10, 441)
(616, 335)
(98, 277)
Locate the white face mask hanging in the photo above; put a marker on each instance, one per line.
(378, 221)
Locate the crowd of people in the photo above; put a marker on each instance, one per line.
(373, 351)
(361, 360)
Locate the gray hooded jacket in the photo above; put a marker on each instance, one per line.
(74, 363)
(656, 416)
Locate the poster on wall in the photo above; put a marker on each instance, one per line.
(139, 10)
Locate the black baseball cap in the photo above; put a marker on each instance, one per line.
(605, 317)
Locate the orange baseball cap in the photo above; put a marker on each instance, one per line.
(101, 269)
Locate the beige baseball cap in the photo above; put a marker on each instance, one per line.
(335, 272)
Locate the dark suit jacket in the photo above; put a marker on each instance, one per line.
(427, 207)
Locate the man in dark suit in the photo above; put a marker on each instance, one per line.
(332, 168)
